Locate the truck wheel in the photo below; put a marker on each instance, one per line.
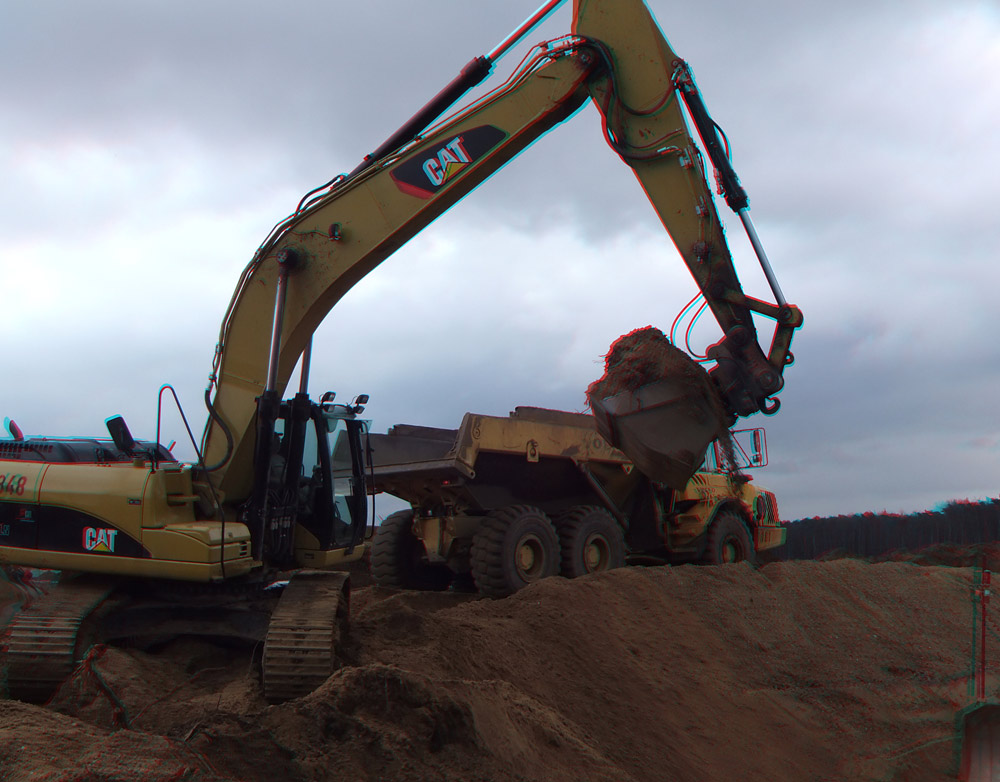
(728, 541)
(591, 541)
(398, 557)
(514, 546)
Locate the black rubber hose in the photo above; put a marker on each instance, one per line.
(225, 430)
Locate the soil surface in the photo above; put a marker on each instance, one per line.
(839, 670)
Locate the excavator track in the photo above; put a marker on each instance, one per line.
(305, 630)
(40, 644)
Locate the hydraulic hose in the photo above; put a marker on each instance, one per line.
(225, 430)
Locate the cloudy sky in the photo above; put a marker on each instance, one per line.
(148, 147)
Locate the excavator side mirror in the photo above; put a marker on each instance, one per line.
(758, 448)
(120, 434)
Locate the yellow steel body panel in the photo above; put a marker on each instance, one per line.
(168, 498)
(198, 543)
(714, 490)
(768, 537)
(534, 438)
(120, 518)
(20, 481)
(309, 554)
(131, 566)
(112, 493)
(318, 558)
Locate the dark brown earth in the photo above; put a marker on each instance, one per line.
(644, 356)
(841, 670)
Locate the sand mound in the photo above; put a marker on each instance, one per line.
(840, 670)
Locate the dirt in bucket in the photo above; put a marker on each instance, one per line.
(646, 355)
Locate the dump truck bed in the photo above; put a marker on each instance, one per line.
(547, 458)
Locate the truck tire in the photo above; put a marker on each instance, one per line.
(729, 540)
(398, 557)
(513, 547)
(591, 541)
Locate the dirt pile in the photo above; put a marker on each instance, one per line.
(798, 671)
(644, 356)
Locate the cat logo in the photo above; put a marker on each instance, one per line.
(449, 160)
(99, 540)
(430, 170)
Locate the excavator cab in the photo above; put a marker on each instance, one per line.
(317, 501)
(346, 445)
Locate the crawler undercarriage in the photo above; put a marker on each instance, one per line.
(299, 621)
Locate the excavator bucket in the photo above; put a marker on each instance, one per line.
(661, 427)
(657, 406)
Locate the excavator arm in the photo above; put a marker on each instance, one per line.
(640, 92)
(617, 57)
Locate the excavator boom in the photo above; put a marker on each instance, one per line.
(619, 58)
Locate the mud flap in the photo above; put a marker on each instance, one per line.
(979, 733)
(663, 427)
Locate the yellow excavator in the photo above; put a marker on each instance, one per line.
(244, 541)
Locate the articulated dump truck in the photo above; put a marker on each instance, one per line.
(502, 502)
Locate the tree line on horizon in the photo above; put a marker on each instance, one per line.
(959, 522)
